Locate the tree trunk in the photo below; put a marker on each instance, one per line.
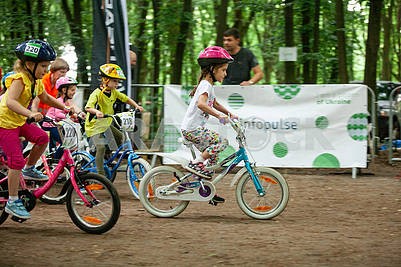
(315, 48)
(305, 39)
(341, 43)
(387, 32)
(141, 42)
(397, 42)
(289, 66)
(74, 20)
(186, 19)
(238, 18)
(28, 20)
(41, 12)
(156, 41)
(372, 43)
(221, 20)
(268, 47)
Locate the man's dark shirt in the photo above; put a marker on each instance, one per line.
(240, 70)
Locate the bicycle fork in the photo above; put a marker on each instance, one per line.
(255, 179)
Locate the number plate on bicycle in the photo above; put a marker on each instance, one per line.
(70, 133)
(127, 120)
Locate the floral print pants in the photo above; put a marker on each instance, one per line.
(206, 140)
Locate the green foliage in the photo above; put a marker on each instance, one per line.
(263, 19)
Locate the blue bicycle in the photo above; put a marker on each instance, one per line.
(136, 166)
(261, 192)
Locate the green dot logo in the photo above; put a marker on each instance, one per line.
(280, 150)
(326, 160)
(357, 126)
(322, 122)
(287, 91)
(236, 101)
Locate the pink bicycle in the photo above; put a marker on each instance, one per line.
(92, 201)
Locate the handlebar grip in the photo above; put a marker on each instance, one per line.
(30, 120)
(45, 119)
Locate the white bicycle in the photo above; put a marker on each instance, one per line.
(261, 192)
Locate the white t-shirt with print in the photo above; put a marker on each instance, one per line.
(194, 117)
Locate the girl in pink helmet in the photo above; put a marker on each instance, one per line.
(213, 62)
(66, 87)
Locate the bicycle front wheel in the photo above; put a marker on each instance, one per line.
(58, 192)
(156, 177)
(134, 175)
(272, 203)
(104, 209)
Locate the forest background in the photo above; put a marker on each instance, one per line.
(337, 41)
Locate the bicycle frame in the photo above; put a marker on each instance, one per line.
(121, 152)
(236, 158)
(65, 160)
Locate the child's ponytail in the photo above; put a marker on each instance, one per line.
(204, 72)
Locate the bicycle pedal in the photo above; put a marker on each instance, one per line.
(17, 219)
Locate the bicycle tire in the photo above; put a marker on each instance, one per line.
(160, 176)
(105, 209)
(58, 192)
(3, 213)
(140, 167)
(262, 207)
(85, 161)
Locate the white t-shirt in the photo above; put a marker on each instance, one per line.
(194, 117)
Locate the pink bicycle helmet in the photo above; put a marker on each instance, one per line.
(213, 55)
(64, 82)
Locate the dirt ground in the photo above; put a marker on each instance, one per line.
(331, 220)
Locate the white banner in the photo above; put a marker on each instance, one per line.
(317, 126)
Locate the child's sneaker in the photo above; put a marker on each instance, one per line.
(199, 169)
(16, 208)
(33, 174)
(216, 199)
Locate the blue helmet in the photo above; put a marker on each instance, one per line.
(35, 50)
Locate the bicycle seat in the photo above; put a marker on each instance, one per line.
(188, 144)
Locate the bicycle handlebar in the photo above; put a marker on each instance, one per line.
(30, 120)
(136, 111)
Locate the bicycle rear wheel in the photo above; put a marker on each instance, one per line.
(86, 161)
(83, 160)
(262, 207)
(139, 168)
(156, 177)
(3, 202)
(105, 206)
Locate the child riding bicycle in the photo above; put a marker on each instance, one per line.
(34, 57)
(66, 87)
(213, 62)
(101, 102)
